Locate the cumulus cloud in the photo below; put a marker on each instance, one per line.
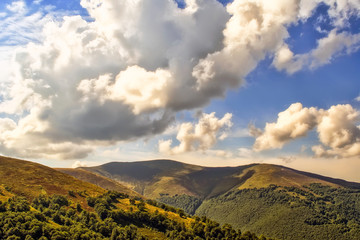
(201, 136)
(292, 123)
(254, 30)
(117, 78)
(336, 127)
(126, 73)
(135, 86)
(338, 131)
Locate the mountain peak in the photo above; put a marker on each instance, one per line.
(157, 177)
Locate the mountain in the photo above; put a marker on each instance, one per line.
(98, 180)
(165, 177)
(277, 201)
(38, 202)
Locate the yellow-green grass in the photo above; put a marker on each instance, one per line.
(157, 178)
(98, 180)
(263, 175)
(29, 179)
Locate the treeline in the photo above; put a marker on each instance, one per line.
(188, 203)
(55, 218)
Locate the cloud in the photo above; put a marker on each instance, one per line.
(246, 153)
(201, 136)
(339, 133)
(336, 127)
(338, 41)
(254, 30)
(17, 7)
(254, 131)
(37, 2)
(292, 123)
(287, 159)
(120, 77)
(78, 164)
(329, 47)
(141, 89)
(23, 23)
(125, 74)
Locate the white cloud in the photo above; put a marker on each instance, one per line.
(17, 7)
(22, 24)
(339, 133)
(223, 153)
(292, 123)
(124, 75)
(328, 48)
(338, 41)
(246, 153)
(336, 127)
(78, 164)
(255, 29)
(202, 136)
(37, 1)
(135, 86)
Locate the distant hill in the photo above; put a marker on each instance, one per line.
(276, 201)
(158, 177)
(98, 180)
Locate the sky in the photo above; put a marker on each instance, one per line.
(206, 82)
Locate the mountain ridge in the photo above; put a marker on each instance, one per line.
(156, 177)
(38, 202)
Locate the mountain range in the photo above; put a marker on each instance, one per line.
(258, 199)
(38, 202)
(267, 199)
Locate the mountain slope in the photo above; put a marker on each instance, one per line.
(267, 199)
(317, 212)
(29, 179)
(156, 178)
(98, 180)
(38, 202)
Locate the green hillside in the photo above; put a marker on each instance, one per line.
(37, 202)
(28, 179)
(158, 178)
(316, 212)
(266, 199)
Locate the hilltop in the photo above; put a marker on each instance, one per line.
(29, 179)
(156, 178)
(267, 199)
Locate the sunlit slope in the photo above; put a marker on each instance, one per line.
(158, 177)
(98, 180)
(264, 175)
(29, 179)
(101, 214)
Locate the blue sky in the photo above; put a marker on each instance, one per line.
(202, 82)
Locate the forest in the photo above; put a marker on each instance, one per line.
(57, 218)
